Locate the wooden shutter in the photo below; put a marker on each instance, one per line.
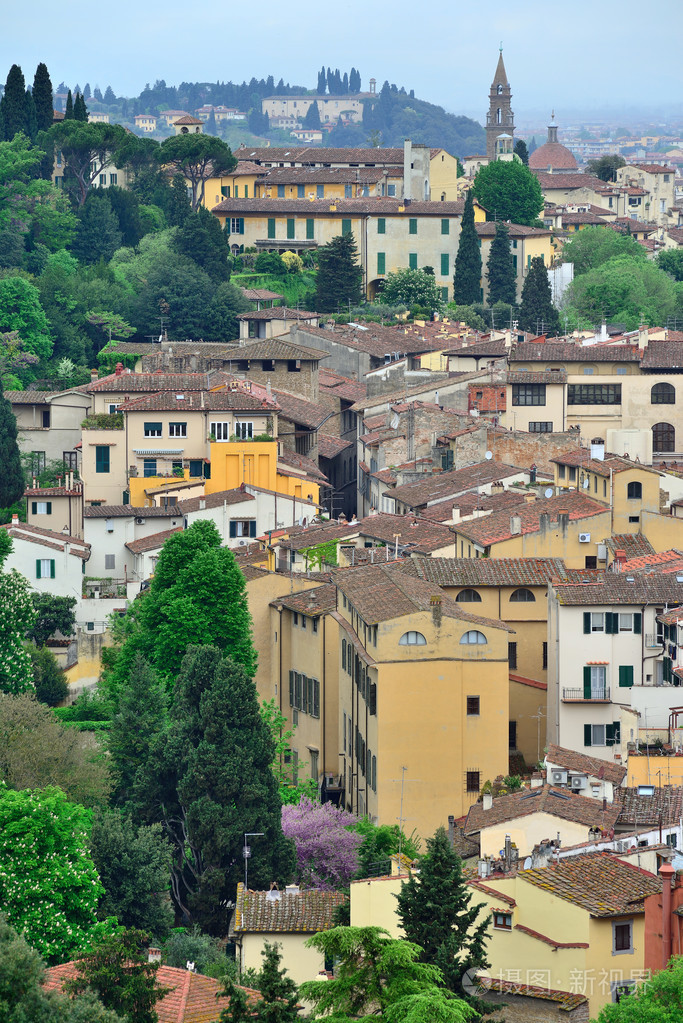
(233, 528)
(586, 682)
(291, 688)
(625, 676)
(252, 528)
(586, 622)
(372, 698)
(52, 568)
(612, 623)
(587, 735)
(38, 575)
(609, 735)
(346, 226)
(637, 623)
(34, 507)
(316, 698)
(49, 507)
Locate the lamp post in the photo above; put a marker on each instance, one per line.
(246, 852)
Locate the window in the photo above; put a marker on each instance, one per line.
(37, 461)
(177, 429)
(310, 228)
(663, 437)
(625, 676)
(243, 527)
(346, 226)
(152, 429)
(412, 225)
(412, 639)
(271, 227)
(300, 192)
(472, 706)
(103, 180)
(528, 394)
(595, 620)
(663, 394)
(588, 371)
(502, 921)
(542, 426)
(472, 781)
(109, 562)
(381, 225)
(522, 596)
(220, 431)
(304, 619)
(149, 467)
(621, 988)
(545, 655)
(444, 294)
(101, 458)
(391, 190)
(280, 191)
(381, 263)
(468, 596)
(45, 568)
(594, 735)
(113, 179)
(293, 366)
(473, 638)
(41, 507)
(70, 459)
(512, 656)
(445, 226)
(320, 192)
(622, 937)
(412, 260)
(373, 774)
(244, 430)
(314, 624)
(445, 264)
(594, 394)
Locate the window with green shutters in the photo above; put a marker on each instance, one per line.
(41, 507)
(381, 225)
(381, 263)
(625, 676)
(280, 191)
(346, 226)
(271, 227)
(101, 459)
(666, 669)
(195, 468)
(290, 227)
(45, 568)
(444, 294)
(444, 264)
(301, 191)
(412, 260)
(310, 228)
(445, 227)
(152, 430)
(412, 225)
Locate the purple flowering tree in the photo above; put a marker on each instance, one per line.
(326, 850)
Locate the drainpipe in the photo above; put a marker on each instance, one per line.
(666, 872)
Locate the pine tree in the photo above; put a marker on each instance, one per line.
(97, 94)
(339, 277)
(532, 147)
(13, 103)
(437, 913)
(86, 91)
(42, 97)
(312, 118)
(467, 276)
(522, 152)
(345, 84)
(537, 312)
(11, 477)
(180, 203)
(109, 95)
(69, 109)
(322, 82)
(97, 235)
(279, 1002)
(500, 269)
(140, 719)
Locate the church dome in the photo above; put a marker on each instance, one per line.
(553, 155)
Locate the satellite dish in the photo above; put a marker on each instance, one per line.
(549, 492)
(488, 456)
(527, 863)
(586, 484)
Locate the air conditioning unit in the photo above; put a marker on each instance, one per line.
(242, 543)
(140, 521)
(559, 777)
(579, 781)
(584, 538)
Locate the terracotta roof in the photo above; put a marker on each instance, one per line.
(311, 155)
(260, 294)
(382, 592)
(665, 803)
(549, 182)
(488, 230)
(378, 206)
(216, 500)
(311, 602)
(302, 466)
(599, 882)
(53, 492)
(635, 545)
(556, 802)
(488, 571)
(330, 447)
(555, 155)
(468, 503)
(193, 998)
(453, 482)
(342, 387)
(188, 119)
(323, 175)
(153, 542)
(606, 466)
(124, 511)
(29, 397)
(160, 381)
(567, 351)
(278, 312)
(566, 999)
(583, 764)
(304, 912)
(496, 527)
(652, 168)
(478, 350)
(299, 410)
(372, 338)
(663, 355)
(236, 400)
(614, 588)
(543, 376)
(414, 533)
(48, 538)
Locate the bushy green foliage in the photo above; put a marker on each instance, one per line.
(412, 287)
(339, 275)
(21, 311)
(671, 261)
(141, 716)
(380, 843)
(17, 615)
(508, 191)
(537, 312)
(270, 263)
(185, 945)
(467, 270)
(659, 1000)
(49, 681)
(500, 269)
(53, 614)
(11, 477)
(624, 290)
(279, 1002)
(593, 246)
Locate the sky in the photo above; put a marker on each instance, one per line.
(572, 59)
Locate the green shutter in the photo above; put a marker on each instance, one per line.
(38, 575)
(609, 735)
(444, 264)
(346, 226)
(412, 260)
(49, 507)
(271, 227)
(52, 568)
(34, 507)
(290, 227)
(586, 682)
(587, 735)
(381, 263)
(638, 623)
(445, 227)
(625, 676)
(310, 228)
(586, 623)
(101, 459)
(616, 731)
(412, 228)
(291, 687)
(252, 528)
(611, 623)
(666, 669)
(381, 225)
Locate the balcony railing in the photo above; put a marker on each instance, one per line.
(599, 694)
(652, 640)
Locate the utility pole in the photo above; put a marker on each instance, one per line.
(246, 852)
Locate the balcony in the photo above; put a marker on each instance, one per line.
(652, 640)
(596, 695)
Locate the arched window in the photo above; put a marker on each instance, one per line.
(498, 116)
(663, 437)
(412, 639)
(522, 595)
(634, 490)
(663, 394)
(468, 596)
(474, 638)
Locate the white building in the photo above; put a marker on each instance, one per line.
(53, 563)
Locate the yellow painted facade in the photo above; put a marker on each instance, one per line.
(237, 185)
(443, 176)
(255, 462)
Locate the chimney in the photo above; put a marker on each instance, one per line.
(93, 375)
(435, 603)
(487, 801)
(666, 872)
(119, 369)
(153, 954)
(536, 780)
(598, 449)
(515, 525)
(544, 522)
(407, 168)
(15, 519)
(619, 561)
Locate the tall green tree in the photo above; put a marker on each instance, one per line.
(85, 149)
(13, 104)
(537, 312)
(508, 191)
(312, 118)
(467, 274)
(43, 98)
(593, 246)
(209, 780)
(202, 239)
(279, 1002)
(69, 108)
(340, 277)
(180, 206)
(197, 157)
(11, 477)
(521, 151)
(671, 261)
(438, 914)
(606, 167)
(500, 269)
(97, 235)
(31, 119)
(21, 311)
(626, 290)
(126, 205)
(80, 110)
(16, 617)
(53, 613)
(49, 680)
(140, 718)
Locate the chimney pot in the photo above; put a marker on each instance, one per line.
(487, 801)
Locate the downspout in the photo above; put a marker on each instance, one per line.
(323, 695)
(666, 872)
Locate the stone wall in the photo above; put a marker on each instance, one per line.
(516, 447)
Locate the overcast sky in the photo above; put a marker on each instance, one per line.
(572, 58)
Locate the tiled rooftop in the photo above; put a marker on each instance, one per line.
(439, 486)
(153, 542)
(599, 882)
(557, 802)
(496, 527)
(615, 588)
(159, 381)
(307, 911)
(635, 545)
(311, 602)
(665, 805)
(488, 571)
(551, 351)
(236, 400)
(583, 764)
(663, 355)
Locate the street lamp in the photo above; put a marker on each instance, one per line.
(246, 852)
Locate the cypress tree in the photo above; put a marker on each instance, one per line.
(80, 111)
(14, 103)
(69, 110)
(180, 204)
(141, 717)
(31, 120)
(86, 91)
(537, 312)
(339, 277)
(322, 82)
(11, 477)
(312, 118)
(522, 151)
(467, 276)
(109, 95)
(500, 269)
(42, 97)
(437, 913)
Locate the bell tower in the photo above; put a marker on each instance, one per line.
(499, 119)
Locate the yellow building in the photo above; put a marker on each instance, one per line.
(526, 243)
